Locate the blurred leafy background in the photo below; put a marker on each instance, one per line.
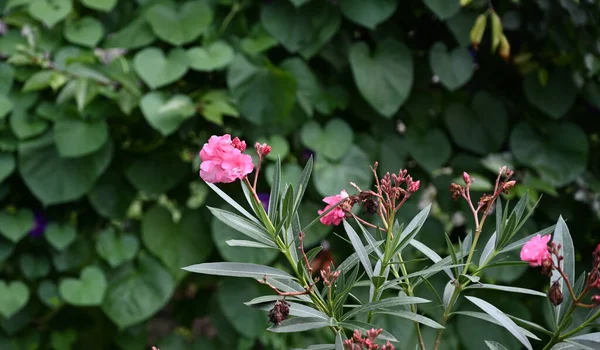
(104, 105)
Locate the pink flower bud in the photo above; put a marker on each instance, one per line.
(262, 150)
(596, 299)
(466, 178)
(237, 143)
(414, 187)
(266, 150)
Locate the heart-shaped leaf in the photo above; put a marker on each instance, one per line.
(34, 267)
(309, 90)
(166, 114)
(53, 179)
(179, 26)
(6, 106)
(100, 5)
(167, 170)
(559, 152)
(444, 9)
(15, 226)
(8, 164)
(74, 256)
(112, 195)
(133, 36)
(60, 236)
(50, 12)
(430, 149)
(454, 68)
(303, 29)
(75, 137)
(13, 297)
(87, 291)
(333, 141)
(7, 76)
(156, 70)
(87, 31)
(556, 97)
(368, 13)
(264, 94)
(215, 56)
(483, 128)
(117, 250)
(385, 77)
(6, 249)
(134, 295)
(48, 294)
(331, 178)
(176, 244)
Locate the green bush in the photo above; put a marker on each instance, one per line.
(105, 104)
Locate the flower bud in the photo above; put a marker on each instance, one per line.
(596, 299)
(466, 178)
(554, 294)
(237, 143)
(279, 312)
(262, 150)
(414, 187)
(508, 185)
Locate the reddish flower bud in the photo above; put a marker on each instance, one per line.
(388, 346)
(509, 172)
(414, 187)
(266, 150)
(466, 178)
(262, 149)
(596, 299)
(237, 143)
(555, 295)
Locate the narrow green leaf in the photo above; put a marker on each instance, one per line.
(352, 260)
(242, 225)
(489, 250)
(506, 289)
(298, 324)
(499, 223)
(563, 237)
(296, 309)
(518, 244)
(248, 244)
(274, 196)
(453, 255)
(412, 229)
(232, 202)
(382, 304)
(428, 252)
(238, 270)
(493, 345)
(488, 318)
(413, 317)
(303, 183)
(339, 341)
(360, 250)
(504, 320)
(370, 239)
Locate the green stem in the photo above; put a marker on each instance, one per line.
(558, 338)
(413, 307)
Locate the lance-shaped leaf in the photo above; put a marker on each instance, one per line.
(359, 248)
(493, 345)
(506, 289)
(242, 225)
(413, 317)
(563, 237)
(502, 319)
(299, 324)
(238, 270)
(383, 304)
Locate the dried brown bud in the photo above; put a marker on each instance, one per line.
(329, 277)
(456, 190)
(547, 266)
(508, 185)
(485, 200)
(554, 294)
(371, 206)
(279, 312)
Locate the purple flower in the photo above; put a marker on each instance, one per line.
(39, 226)
(264, 199)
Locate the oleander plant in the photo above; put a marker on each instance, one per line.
(409, 155)
(300, 301)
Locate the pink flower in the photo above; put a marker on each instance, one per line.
(223, 161)
(335, 216)
(535, 251)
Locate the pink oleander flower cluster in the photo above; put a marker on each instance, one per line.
(357, 342)
(335, 216)
(223, 160)
(535, 251)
